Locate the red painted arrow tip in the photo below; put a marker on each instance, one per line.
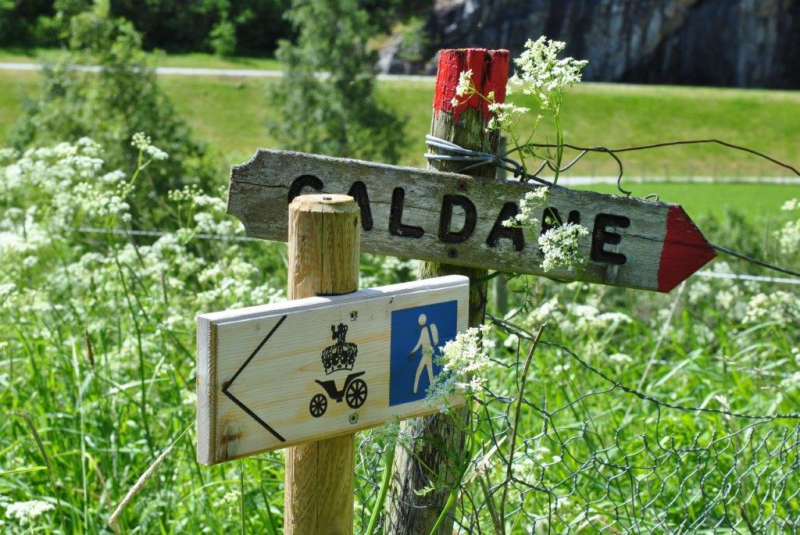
(685, 250)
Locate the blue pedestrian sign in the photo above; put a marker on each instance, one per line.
(417, 337)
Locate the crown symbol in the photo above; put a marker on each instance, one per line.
(341, 355)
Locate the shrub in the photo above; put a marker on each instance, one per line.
(327, 95)
(111, 105)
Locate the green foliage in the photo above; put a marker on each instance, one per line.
(327, 97)
(223, 38)
(250, 27)
(415, 43)
(99, 351)
(112, 105)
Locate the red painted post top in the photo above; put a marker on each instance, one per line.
(489, 73)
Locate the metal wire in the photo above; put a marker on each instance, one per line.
(477, 158)
(579, 466)
(503, 160)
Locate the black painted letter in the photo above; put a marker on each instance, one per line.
(470, 219)
(601, 236)
(396, 226)
(358, 191)
(301, 182)
(499, 231)
(552, 219)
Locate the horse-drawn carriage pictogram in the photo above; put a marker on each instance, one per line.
(339, 356)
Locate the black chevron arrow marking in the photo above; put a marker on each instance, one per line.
(245, 408)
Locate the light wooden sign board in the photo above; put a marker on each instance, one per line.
(457, 219)
(278, 375)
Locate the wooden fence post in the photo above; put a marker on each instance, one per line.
(439, 440)
(324, 243)
(499, 287)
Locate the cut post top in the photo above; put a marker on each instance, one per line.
(324, 202)
(489, 73)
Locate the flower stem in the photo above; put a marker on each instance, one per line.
(388, 460)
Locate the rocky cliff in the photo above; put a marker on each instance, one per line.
(746, 43)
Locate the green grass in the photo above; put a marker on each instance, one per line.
(713, 199)
(98, 339)
(98, 349)
(160, 59)
(231, 113)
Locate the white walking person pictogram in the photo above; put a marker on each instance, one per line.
(428, 339)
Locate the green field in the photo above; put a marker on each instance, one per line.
(232, 113)
(159, 59)
(636, 412)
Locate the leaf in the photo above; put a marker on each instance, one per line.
(22, 470)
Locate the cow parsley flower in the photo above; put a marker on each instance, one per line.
(561, 247)
(25, 512)
(789, 238)
(543, 75)
(524, 218)
(144, 144)
(505, 115)
(780, 307)
(464, 363)
(465, 85)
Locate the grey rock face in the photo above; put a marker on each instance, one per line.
(746, 43)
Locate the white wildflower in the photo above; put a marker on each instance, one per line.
(726, 299)
(791, 205)
(156, 153)
(144, 144)
(465, 86)
(464, 363)
(780, 307)
(698, 291)
(525, 218)
(541, 74)
(25, 512)
(620, 358)
(505, 115)
(561, 247)
(789, 237)
(140, 141)
(511, 341)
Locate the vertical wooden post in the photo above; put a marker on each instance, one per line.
(324, 242)
(438, 451)
(500, 282)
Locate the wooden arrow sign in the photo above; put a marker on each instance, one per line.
(278, 375)
(447, 217)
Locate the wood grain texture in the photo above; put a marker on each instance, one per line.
(438, 449)
(259, 193)
(324, 244)
(324, 249)
(279, 381)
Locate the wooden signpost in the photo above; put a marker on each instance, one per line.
(308, 373)
(278, 375)
(458, 219)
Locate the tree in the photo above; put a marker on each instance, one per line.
(327, 95)
(111, 105)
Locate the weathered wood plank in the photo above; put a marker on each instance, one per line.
(260, 374)
(405, 213)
